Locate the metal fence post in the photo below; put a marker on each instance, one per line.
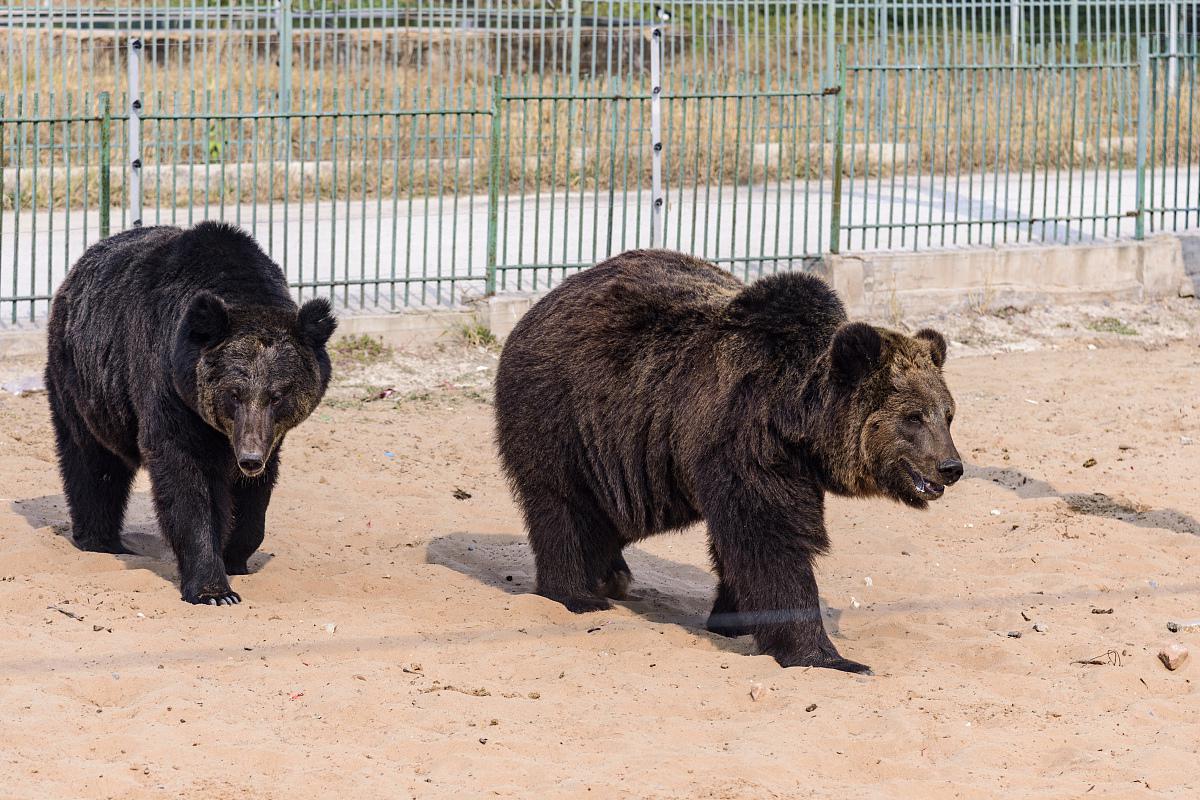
(1143, 120)
(1172, 44)
(105, 164)
(134, 140)
(493, 217)
(1074, 32)
(284, 24)
(839, 146)
(1015, 29)
(657, 194)
(576, 43)
(830, 48)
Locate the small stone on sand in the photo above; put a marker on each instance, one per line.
(1173, 655)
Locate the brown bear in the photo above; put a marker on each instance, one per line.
(655, 390)
(181, 351)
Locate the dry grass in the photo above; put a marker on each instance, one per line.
(899, 122)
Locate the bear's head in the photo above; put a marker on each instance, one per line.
(253, 373)
(891, 406)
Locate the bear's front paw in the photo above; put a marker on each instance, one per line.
(825, 661)
(616, 585)
(846, 665)
(580, 603)
(584, 605)
(728, 623)
(94, 544)
(211, 596)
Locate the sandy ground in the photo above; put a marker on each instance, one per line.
(389, 645)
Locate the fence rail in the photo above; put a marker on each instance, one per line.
(416, 155)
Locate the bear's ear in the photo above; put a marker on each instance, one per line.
(206, 322)
(855, 352)
(316, 322)
(937, 345)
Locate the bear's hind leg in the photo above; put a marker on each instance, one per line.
(572, 549)
(250, 501)
(96, 483)
(725, 620)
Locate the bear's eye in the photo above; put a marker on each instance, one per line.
(276, 397)
(915, 419)
(235, 396)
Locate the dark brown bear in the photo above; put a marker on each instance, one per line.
(655, 390)
(181, 351)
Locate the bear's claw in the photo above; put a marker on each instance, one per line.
(825, 660)
(219, 597)
(846, 665)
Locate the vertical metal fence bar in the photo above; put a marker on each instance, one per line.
(284, 23)
(830, 48)
(576, 42)
(657, 192)
(839, 145)
(1172, 12)
(1015, 29)
(105, 166)
(1143, 121)
(134, 139)
(493, 187)
(1074, 31)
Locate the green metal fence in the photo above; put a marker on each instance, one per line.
(742, 179)
(415, 154)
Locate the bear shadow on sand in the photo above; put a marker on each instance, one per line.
(663, 591)
(140, 532)
(1096, 504)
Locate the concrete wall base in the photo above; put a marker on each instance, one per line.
(23, 343)
(497, 314)
(891, 285)
(880, 285)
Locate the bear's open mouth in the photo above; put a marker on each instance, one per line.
(924, 487)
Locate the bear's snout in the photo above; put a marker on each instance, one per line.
(950, 471)
(252, 440)
(251, 463)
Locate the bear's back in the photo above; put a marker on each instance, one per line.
(638, 294)
(166, 262)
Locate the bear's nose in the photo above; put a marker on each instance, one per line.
(951, 470)
(250, 463)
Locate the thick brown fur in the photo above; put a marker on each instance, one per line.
(183, 352)
(655, 390)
